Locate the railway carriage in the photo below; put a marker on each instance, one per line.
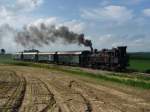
(78, 58)
(111, 59)
(30, 56)
(68, 57)
(46, 57)
(18, 56)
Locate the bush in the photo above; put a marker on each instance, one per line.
(147, 71)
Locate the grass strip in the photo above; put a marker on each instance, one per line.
(130, 82)
(134, 82)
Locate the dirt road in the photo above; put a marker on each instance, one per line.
(24, 89)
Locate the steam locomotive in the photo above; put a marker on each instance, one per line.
(110, 59)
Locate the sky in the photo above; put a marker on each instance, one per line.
(108, 23)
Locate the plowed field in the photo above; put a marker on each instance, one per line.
(27, 89)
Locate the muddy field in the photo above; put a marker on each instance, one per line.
(24, 89)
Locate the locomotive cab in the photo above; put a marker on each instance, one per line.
(122, 57)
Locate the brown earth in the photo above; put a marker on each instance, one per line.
(24, 89)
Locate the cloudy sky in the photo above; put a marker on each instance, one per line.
(108, 23)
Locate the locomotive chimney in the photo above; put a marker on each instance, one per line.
(85, 42)
(91, 49)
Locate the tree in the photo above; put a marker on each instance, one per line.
(3, 51)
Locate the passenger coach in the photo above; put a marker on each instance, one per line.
(80, 58)
(46, 57)
(110, 59)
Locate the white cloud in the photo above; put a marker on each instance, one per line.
(46, 21)
(15, 14)
(105, 20)
(29, 5)
(13, 19)
(134, 42)
(75, 26)
(16, 17)
(5, 15)
(4, 12)
(107, 40)
(146, 12)
(19, 12)
(114, 13)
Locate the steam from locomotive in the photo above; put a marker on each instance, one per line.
(43, 34)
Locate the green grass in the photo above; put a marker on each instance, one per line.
(140, 64)
(140, 61)
(140, 55)
(140, 82)
(135, 81)
(6, 58)
(136, 62)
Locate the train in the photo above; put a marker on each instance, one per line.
(110, 59)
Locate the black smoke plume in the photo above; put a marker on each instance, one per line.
(42, 34)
